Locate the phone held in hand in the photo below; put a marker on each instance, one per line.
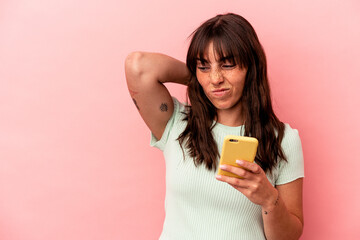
(237, 148)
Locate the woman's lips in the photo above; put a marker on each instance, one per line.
(220, 92)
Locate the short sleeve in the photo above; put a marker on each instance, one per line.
(160, 144)
(294, 167)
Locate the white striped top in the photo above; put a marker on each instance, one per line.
(197, 206)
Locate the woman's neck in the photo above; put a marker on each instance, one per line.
(232, 118)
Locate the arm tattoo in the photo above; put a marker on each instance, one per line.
(163, 107)
(135, 104)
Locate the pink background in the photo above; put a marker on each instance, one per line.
(75, 161)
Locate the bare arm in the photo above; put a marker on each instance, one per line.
(285, 219)
(145, 75)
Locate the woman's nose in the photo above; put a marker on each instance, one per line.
(216, 77)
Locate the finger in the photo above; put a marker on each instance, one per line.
(253, 167)
(243, 173)
(235, 182)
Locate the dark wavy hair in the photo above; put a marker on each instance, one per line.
(233, 37)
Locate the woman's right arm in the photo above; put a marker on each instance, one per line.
(145, 75)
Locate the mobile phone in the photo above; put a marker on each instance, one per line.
(237, 148)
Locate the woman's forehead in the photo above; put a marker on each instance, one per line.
(214, 52)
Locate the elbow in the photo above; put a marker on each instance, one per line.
(297, 234)
(302, 229)
(298, 231)
(134, 65)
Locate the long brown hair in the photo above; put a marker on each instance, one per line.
(233, 37)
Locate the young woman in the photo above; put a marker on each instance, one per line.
(228, 92)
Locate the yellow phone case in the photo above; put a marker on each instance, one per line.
(237, 147)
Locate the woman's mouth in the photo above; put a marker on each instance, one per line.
(220, 92)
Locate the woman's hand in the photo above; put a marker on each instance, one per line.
(253, 183)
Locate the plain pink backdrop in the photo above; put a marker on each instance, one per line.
(75, 161)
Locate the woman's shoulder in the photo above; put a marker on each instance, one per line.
(290, 130)
(291, 138)
(293, 167)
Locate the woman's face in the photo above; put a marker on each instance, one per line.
(222, 80)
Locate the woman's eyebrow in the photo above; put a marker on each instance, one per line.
(202, 60)
(227, 58)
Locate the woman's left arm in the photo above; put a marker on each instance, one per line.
(281, 206)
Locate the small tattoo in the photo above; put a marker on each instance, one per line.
(163, 107)
(135, 104)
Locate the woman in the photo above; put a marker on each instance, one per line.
(229, 94)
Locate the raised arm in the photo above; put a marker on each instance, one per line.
(145, 75)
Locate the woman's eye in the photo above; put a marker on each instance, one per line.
(203, 68)
(229, 66)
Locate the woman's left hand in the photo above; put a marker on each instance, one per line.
(253, 182)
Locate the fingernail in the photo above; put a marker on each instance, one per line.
(240, 162)
(222, 167)
(218, 177)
